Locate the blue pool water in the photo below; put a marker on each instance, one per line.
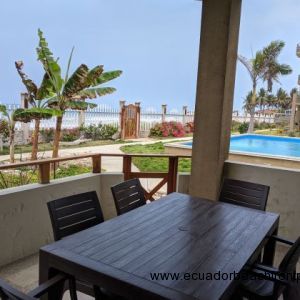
(260, 144)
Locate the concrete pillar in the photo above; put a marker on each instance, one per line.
(293, 112)
(184, 113)
(81, 118)
(214, 99)
(121, 118)
(163, 112)
(25, 127)
(138, 119)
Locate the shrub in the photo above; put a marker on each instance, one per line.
(4, 131)
(47, 134)
(235, 126)
(98, 132)
(243, 128)
(168, 129)
(189, 127)
(70, 135)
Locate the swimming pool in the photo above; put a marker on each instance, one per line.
(262, 144)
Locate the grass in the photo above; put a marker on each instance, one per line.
(48, 147)
(153, 164)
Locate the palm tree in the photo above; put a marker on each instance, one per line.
(72, 91)
(248, 103)
(273, 69)
(255, 67)
(12, 118)
(284, 101)
(37, 99)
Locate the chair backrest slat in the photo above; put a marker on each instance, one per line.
(128, 195)
(244, 193)
(72, 214)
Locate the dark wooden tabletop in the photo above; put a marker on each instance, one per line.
(176, 234)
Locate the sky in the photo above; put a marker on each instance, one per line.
(154, 42)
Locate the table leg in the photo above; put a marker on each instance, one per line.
(269, 250)
(45, 273)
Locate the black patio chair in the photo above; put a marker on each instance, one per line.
(128, 195)
(7, 292)
(243, 193)
(270, 283)
(73, 214)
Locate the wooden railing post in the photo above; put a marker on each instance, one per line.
(44, 173)
(96, 163)
(127, 167)
(172, 174)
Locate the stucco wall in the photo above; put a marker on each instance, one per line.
(24, 220)
(284, 197)
(25, 224)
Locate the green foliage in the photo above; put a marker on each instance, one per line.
(243, 128)
(153, 164)
(70, 135)
(98, 132)
(47, 134)
(18, 177)
(4, 130)
(81, 85)
(71, 170)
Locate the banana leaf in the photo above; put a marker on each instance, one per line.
(80, 105)
(77, 82)
(92, 93)
(29, 84)
(51, 66)
(107, 76)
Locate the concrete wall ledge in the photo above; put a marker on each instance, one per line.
(24, 218)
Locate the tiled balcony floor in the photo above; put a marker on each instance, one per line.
(24, 273)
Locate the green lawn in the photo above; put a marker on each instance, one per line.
(152, 164)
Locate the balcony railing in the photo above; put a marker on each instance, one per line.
(170, 177)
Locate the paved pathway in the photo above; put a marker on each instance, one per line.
(110, 164)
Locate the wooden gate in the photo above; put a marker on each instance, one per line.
(130, 121)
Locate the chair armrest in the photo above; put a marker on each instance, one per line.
(48, 285)
(275, 277)
(281, 240)
(265, 268)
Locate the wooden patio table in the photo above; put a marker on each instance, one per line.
(178, 235)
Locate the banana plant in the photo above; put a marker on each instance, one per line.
(38, 99)
(72, 91)
(11, 118)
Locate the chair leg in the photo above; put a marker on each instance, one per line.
(72, 289)
(98, 293)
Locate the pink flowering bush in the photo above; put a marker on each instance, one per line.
(168, 129)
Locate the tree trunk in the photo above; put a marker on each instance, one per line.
(35, 140)
(252, 111)
(251, 123)
(57, 136)
(12, 145)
